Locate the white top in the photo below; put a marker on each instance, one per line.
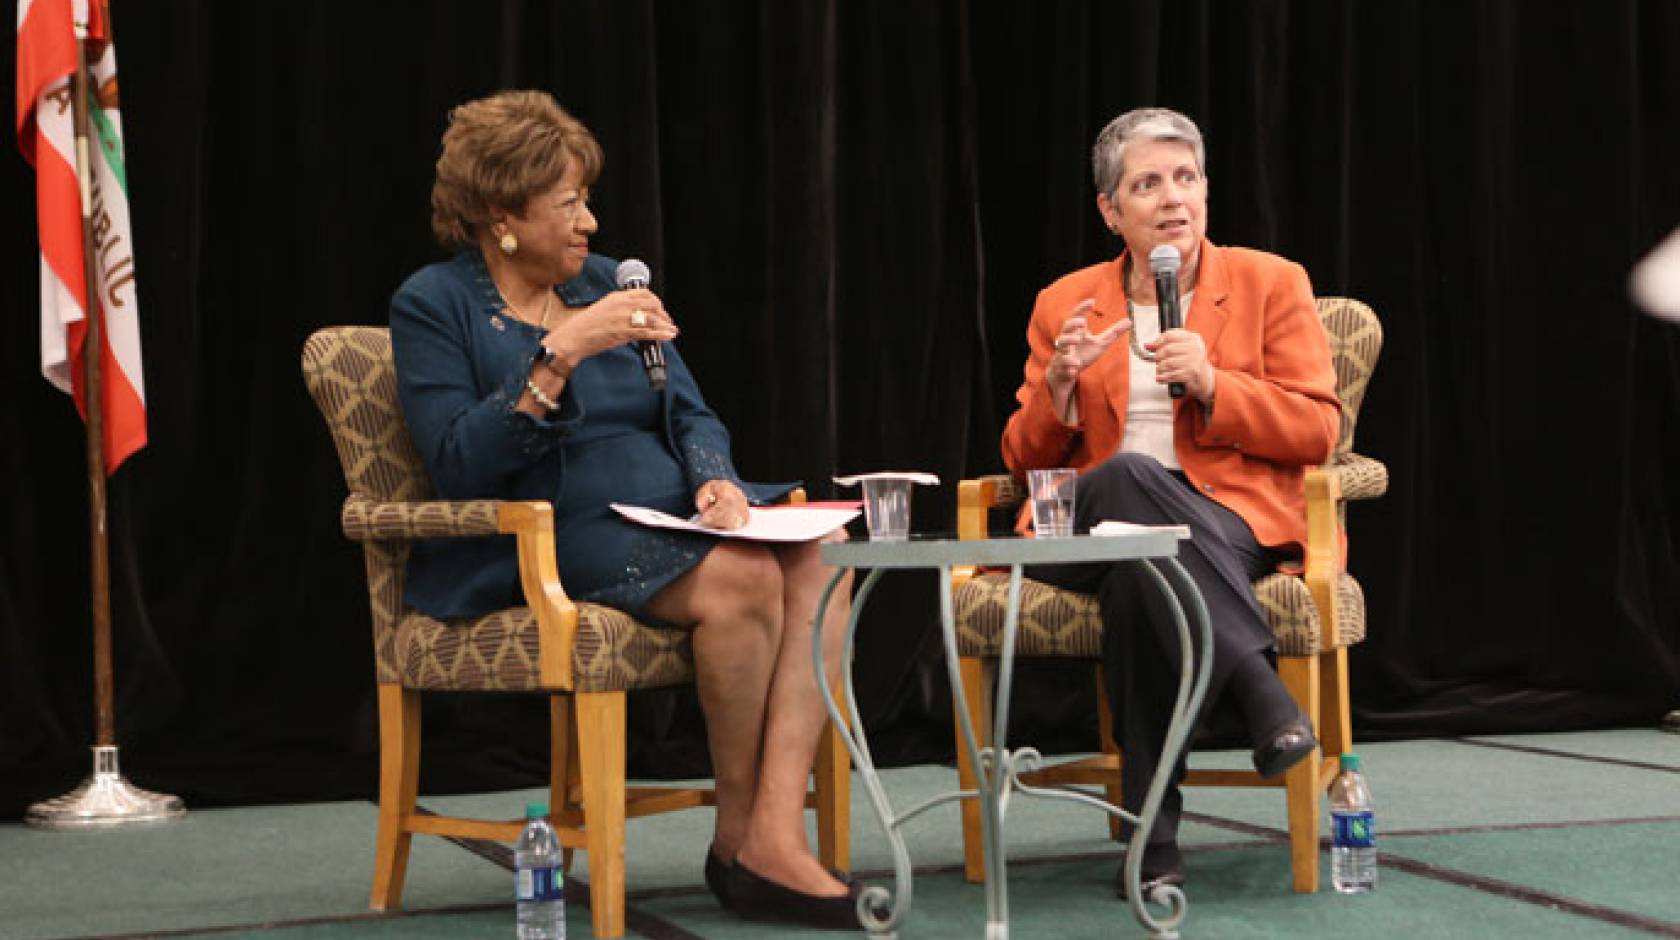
(1149, 409)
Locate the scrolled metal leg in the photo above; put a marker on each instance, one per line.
(1192, 688)
(995, 766)
(874, 898)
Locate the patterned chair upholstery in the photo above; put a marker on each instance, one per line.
(585, 657)
(1316, 612)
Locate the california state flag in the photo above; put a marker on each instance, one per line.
(46, 61)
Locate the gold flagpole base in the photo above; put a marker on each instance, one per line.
(105, 801)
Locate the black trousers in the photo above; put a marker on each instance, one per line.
(1141, 648)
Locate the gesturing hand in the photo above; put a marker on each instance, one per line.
(722, 505)
(1077, 348)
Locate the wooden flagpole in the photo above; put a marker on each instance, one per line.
(104, 800)
(93, 386)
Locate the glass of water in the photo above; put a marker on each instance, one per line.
(1052, 501)
(886, 508)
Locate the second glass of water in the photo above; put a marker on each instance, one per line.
(1052, 501)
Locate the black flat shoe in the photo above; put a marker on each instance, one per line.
(1286, 749)
(756, 897)
(717, 878)
(1162, 865)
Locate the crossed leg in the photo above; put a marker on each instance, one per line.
(753, 608)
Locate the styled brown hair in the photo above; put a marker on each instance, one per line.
(500, 151)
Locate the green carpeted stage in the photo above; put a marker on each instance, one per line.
(1536, 836)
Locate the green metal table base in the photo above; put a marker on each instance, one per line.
(881, 911)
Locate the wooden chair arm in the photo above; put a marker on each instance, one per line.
(974, 499)
(532, 526)
(1324, 550)
(978, 496)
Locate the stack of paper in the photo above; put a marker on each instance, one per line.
(791, 523)
(1116, 527)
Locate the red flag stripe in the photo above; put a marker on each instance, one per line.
(60, 231)
(125, 414)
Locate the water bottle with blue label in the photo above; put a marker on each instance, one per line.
(539, 878)
(1353, 836)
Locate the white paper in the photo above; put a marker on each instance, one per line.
(1116, 527)
(764, 523)
(914, 476)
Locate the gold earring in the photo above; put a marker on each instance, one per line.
(509, 244)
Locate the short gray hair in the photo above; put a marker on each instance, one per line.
(1140, 124)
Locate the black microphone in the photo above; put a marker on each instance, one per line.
(1164, 262)
(633, 273)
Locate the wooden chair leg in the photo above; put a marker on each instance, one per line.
(1105, 731)
(561, 758)
(559, 750)
(1304, 783)
(833, 785)
(399, 786)
(977, 675)
(600, 738)
(1336, 715)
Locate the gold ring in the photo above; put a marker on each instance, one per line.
(638, 318)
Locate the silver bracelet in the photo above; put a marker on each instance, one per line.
(541, 396)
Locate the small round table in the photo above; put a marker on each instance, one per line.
(996, 766)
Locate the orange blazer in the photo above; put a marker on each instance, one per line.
(1275, 408)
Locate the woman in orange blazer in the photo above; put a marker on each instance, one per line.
(1228, 458)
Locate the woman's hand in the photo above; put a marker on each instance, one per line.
(620, 317)
(1181, 356)
(722, 505)
(1076, 348)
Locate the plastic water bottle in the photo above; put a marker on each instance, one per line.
(1353, 845)
(539, 879)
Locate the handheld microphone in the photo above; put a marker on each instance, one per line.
(633, 273)
(1164, 263)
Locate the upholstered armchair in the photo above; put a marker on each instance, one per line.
(1316, 610)
(584, 657)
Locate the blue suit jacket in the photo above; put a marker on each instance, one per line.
(462, 360)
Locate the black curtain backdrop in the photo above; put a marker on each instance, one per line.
(850, 207)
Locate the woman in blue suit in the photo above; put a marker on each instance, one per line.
(519, 379)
